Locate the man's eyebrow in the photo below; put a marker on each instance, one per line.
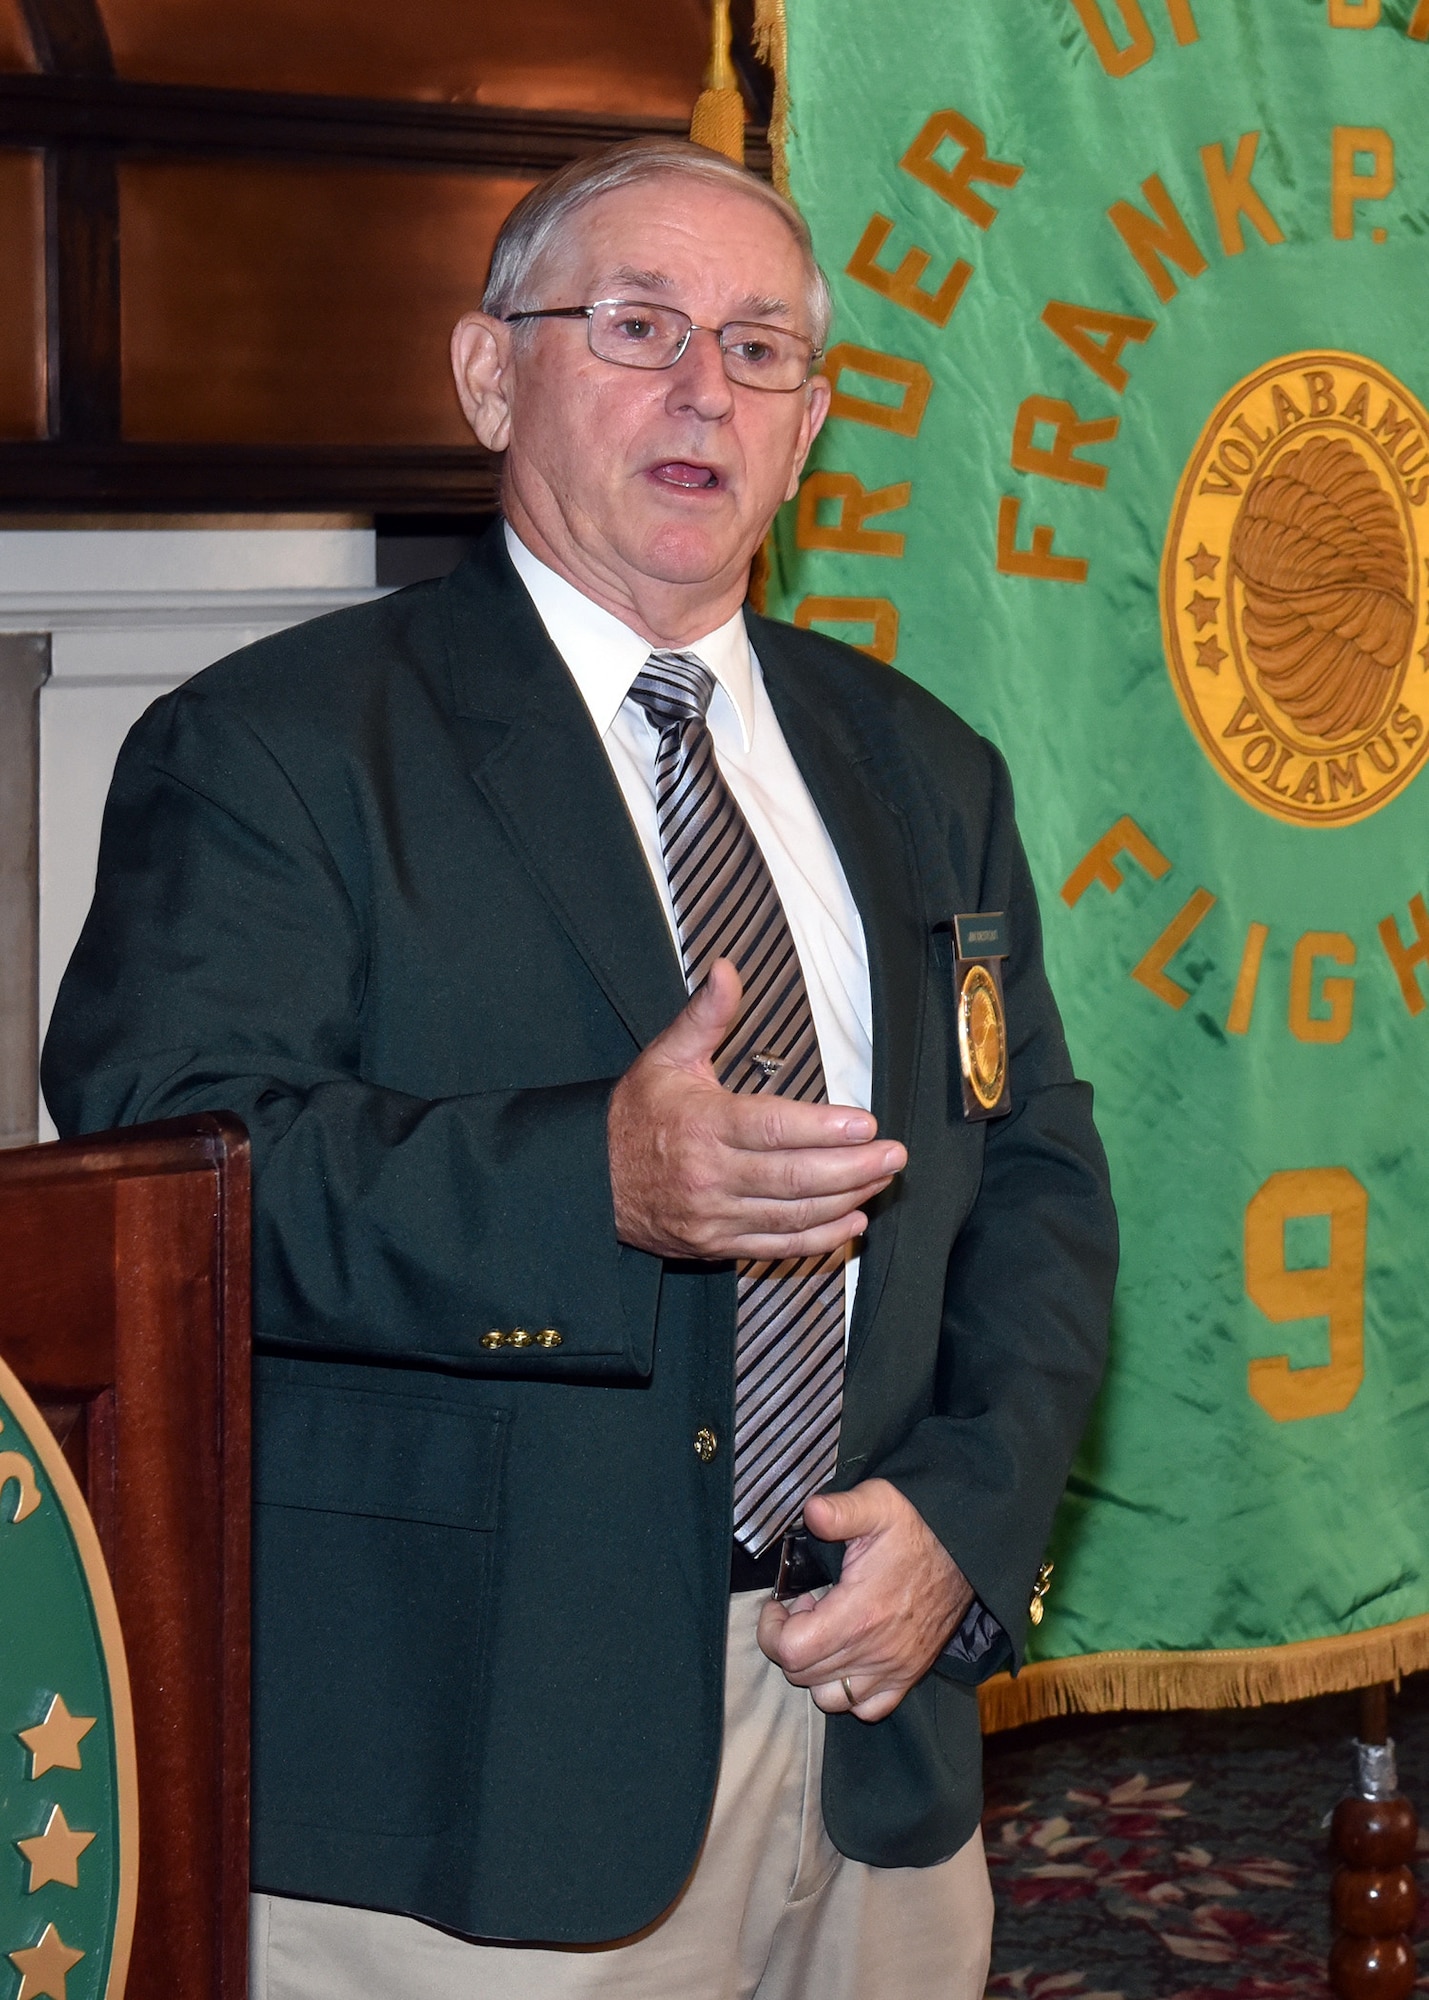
(650, 281)
(761, 308)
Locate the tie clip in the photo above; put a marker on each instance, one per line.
(770, 1064)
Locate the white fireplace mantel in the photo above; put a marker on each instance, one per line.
(128, 614)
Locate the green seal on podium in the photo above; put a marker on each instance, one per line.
(68, 1802)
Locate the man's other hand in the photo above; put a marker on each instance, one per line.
(898, 1601)
(698, 1171)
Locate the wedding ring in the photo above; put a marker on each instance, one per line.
(848, 1691)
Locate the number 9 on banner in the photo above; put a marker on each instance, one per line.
(1333, 1290)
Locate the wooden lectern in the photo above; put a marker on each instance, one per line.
(124, 1310)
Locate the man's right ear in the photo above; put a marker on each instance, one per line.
(481, 362)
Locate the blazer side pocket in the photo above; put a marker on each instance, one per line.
(372, 1587)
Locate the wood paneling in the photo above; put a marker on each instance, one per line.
(68, 37)
(631, 57)
(82, 293)
(204, 478)
(157, 119)
(22, 280)
(284, 323)
(15, 51)
(298, 305)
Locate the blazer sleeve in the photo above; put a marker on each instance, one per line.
(1027, 1297)
(222, 966)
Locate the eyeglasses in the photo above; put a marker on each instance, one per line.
(633, 334)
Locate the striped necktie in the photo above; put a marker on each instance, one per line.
(789, 1354)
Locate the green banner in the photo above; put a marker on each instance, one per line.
(1129, 463)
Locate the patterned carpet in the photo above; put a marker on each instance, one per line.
(1177, 1857)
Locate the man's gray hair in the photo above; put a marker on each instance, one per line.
(542, 217)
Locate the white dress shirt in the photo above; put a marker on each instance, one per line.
(604, 656)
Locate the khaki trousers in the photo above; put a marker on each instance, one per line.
(771, 1911)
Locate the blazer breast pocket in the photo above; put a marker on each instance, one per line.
(373, 1549)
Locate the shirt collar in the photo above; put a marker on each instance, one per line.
(604, 655)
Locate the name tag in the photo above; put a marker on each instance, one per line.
(981, 937)
(980, 946)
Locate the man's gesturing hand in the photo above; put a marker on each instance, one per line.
(698, 1171)
(898, 1602)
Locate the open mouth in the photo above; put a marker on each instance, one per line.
(685, 476)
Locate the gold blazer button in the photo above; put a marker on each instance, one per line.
(493, 1339)
(706, 1444)
(518, 1337)
(548, 1337)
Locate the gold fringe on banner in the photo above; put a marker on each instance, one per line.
(1094, 1683)
(771, 43)
(718, 120)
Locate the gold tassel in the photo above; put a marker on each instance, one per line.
(1244, 1677)
(771, 44)
(718, 120)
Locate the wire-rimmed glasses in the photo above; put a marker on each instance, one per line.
(635, 334)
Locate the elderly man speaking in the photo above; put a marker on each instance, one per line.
(666, 1369)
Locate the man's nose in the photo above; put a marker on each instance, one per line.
(698, 381)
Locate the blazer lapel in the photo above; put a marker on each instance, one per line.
(875, 845)
(534, 756)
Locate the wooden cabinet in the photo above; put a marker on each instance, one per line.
(124, 1311)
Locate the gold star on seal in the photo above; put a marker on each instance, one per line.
(44, 1966)
(1203, 563)
(54, 1854)
(1203, 610)
(54, 1743)
(1209, 653)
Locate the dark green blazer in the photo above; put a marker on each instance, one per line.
(371, 885)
